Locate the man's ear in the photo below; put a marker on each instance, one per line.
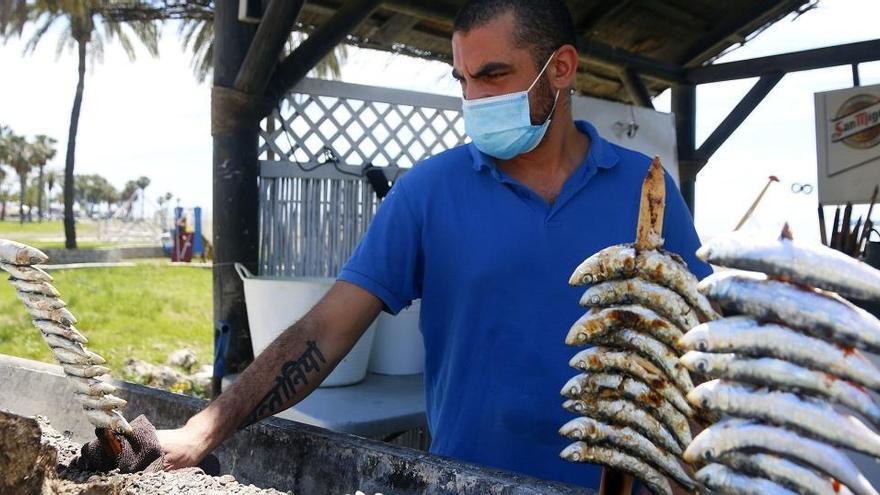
(563, 69)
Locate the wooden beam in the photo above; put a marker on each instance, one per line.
(620, 58)
(636, 88)
(425, 9)
(684, 107)
(739, 114)
(600, 13)
(728, 30)
(321, 42)
(262, 56)
(389, 30)
(853, 53)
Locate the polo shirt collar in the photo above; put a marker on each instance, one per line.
(601, 154)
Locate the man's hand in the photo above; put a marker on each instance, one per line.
(182, 447)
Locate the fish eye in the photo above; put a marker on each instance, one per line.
(587, 279)
(702, 365)
(705, 403)
(579, 407)
(594, 300)
(582, 337)
(573, 391)
(702, 345)
(709, 454)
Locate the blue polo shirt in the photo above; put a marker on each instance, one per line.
(490, 260)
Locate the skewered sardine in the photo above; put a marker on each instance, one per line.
(104, 402)
(55, 341)
(594, 432)
(665, 302)
(613, 386)
(600, 321)
(17, 253)
(40, 301)
(602, 359)
(613, 262)
(745, 335)
(804, 263)
(60, 315)
(91, 386)
(66, 356)
(788, 474)
(786, 409)
(29, 273)
(55, 328)
(623, 412)
(736, 434)
(822, 314)
(670, 271)
(44, 288)
(85, 370)
(108, 419)
(783, 375)
(722, 479)
(582, 452)
(655, 351)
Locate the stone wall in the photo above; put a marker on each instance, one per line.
(102, 255)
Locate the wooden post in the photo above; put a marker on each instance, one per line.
(684, 106)
(236, 196)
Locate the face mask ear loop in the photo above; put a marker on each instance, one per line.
(541, 73)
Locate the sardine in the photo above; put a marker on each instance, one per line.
(819, 313)
(746, 336)
(786, 409)
(85, 370)
(779, 374)
(601, 321)
(804, 263)
(787, 473)
(613, 262)
(55, 341)
(625, 413)
(663, 301)
(614, 386)
(66, 356)
(17, 253)
(722, 479)
(44, 288)
(653, 480)
(736, 434)
(103, 402)
(39, 301)
(669, 270)
(602, 359)
(55, 328)
(60, 315)
(594, 432)
(655, 351)
(29, 273)
(112, 420)
(91, 386)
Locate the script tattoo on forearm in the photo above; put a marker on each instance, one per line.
(293, 373)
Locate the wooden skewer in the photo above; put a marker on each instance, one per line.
(822, 234)
(745, 218)
(835, 234)
(844, 227)
(867, 231)
(649, 232)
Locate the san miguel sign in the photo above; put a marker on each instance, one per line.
(848, 143)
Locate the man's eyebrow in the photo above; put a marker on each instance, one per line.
(485, 70)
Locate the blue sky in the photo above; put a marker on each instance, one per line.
(150, 117)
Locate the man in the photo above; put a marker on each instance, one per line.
(486, 235)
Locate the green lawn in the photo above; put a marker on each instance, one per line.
(50, 234)
(144, 312)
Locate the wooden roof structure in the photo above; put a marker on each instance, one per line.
(616, 37)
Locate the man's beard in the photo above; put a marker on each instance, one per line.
(544, 98)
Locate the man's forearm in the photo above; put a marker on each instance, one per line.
(284, 374)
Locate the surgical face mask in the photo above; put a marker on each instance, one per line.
(501, 126)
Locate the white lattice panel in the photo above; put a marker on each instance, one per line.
(314, 205)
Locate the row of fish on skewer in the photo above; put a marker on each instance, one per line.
(631, 393)
(791, 382)
(56, 324)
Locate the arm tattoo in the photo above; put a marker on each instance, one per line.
(292, 374)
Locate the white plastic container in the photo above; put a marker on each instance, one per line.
(398, 348)
(273, 304)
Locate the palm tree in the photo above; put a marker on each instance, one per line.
(86, 27)
(42, 150)
(51, 178)
(198, 37)
(18, 156)
(142, 183)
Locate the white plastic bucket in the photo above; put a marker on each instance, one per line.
(398, 348)
(273, 304)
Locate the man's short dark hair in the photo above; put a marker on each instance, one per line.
(543, 25)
